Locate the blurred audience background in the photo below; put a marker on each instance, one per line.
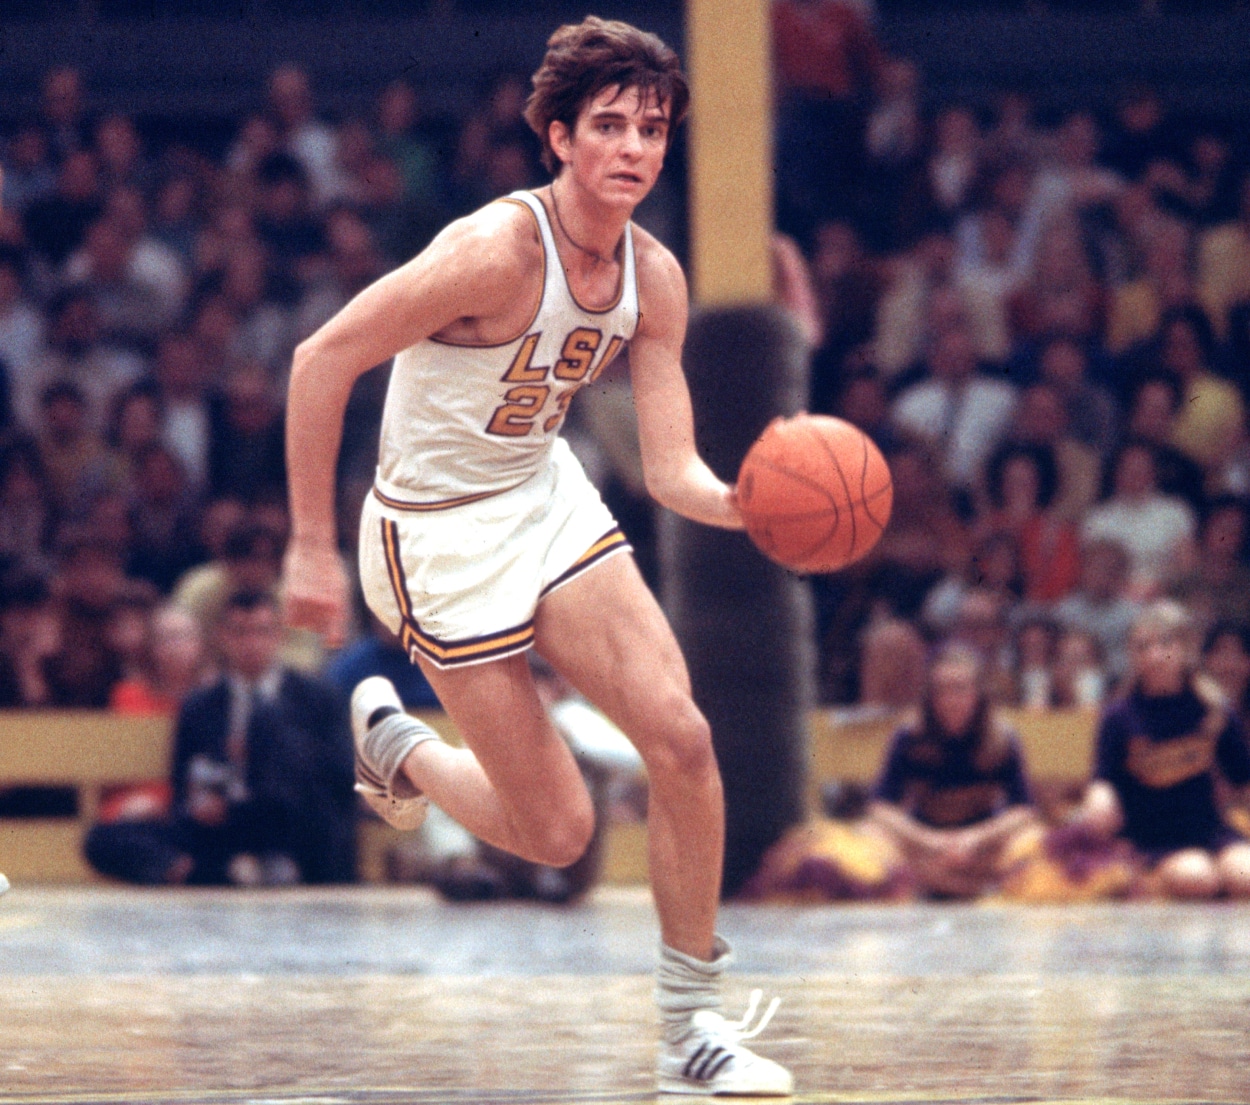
(1038, 304)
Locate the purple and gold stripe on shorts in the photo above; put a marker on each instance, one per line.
(437, 504)
(444, 654)
(611, 542)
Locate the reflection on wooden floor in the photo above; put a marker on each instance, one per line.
(380, 996)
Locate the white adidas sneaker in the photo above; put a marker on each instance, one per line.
(711, 1060)
(381, 751)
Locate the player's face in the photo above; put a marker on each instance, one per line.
(617, 145)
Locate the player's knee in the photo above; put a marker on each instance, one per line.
(1190, 875)
(566, 843)
(561, 840)
(685, 747)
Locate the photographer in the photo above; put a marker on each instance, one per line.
(262, 775)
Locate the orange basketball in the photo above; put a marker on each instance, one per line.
(815, 493)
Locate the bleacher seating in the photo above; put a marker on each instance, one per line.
(90, 751)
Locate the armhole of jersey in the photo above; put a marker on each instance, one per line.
(629, 277)
(544, 233)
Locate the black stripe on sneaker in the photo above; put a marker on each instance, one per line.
(689, 1067)
(710, 1065)
(725, 1059)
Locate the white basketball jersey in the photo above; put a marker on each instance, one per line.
(464, 421)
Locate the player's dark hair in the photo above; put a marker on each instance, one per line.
(585, 58)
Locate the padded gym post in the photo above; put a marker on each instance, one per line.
(744, 624)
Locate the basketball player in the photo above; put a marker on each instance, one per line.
(482, 536)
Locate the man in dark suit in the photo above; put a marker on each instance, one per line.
(262, 775)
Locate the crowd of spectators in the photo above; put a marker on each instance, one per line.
(150, 301)
(1042, 316)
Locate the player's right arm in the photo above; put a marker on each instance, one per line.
(470, 272)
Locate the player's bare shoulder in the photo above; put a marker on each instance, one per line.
(496, 242)
(663, 297)
(493, 261)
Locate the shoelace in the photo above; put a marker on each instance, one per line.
(712, 1021)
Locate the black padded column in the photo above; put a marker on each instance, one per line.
(744, 624)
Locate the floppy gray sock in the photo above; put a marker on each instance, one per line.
(684, 985)
(388, 744)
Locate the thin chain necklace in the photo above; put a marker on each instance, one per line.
(573, 241)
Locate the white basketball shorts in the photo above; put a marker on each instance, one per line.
(460, 584)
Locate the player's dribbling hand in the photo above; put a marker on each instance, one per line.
(735, 510)
(315, 590)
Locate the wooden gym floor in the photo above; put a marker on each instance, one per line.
(386, 995)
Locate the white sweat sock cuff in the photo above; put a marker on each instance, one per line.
(685, 984)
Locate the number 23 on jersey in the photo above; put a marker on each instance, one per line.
(532, 384)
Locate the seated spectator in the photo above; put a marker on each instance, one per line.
(76, 353)
(982, 624)
(163, 660)
(1078, 677)
(72, 454)
(55, 224)
(184, 380)
(1224, 263)
(864, 402)
(1211, 414)
(953, 794)
(250, 559)
(30, 637)
(1156, 530)
(163, 510)
(246, 452)
(994, 568)
(1163, 749)
(88, 582)
(262, 775)
(1139, 134)
(960, 412)
(1090, 408)
(28, 171)
(1062, 296)
(1021, 483)
(1058, 669)
(989, 274)
(302, 135)
(1217, 587)
(1154, 404)
(21, 319)
(1100, 605)
(136, 421)
(903, 322)
(168, 663)
(893, 658)
(1226, 659)
(1035, 642)
(130, 303)
(1137, 308)
(1042, 421)
(1199, 181)
(27, 519)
